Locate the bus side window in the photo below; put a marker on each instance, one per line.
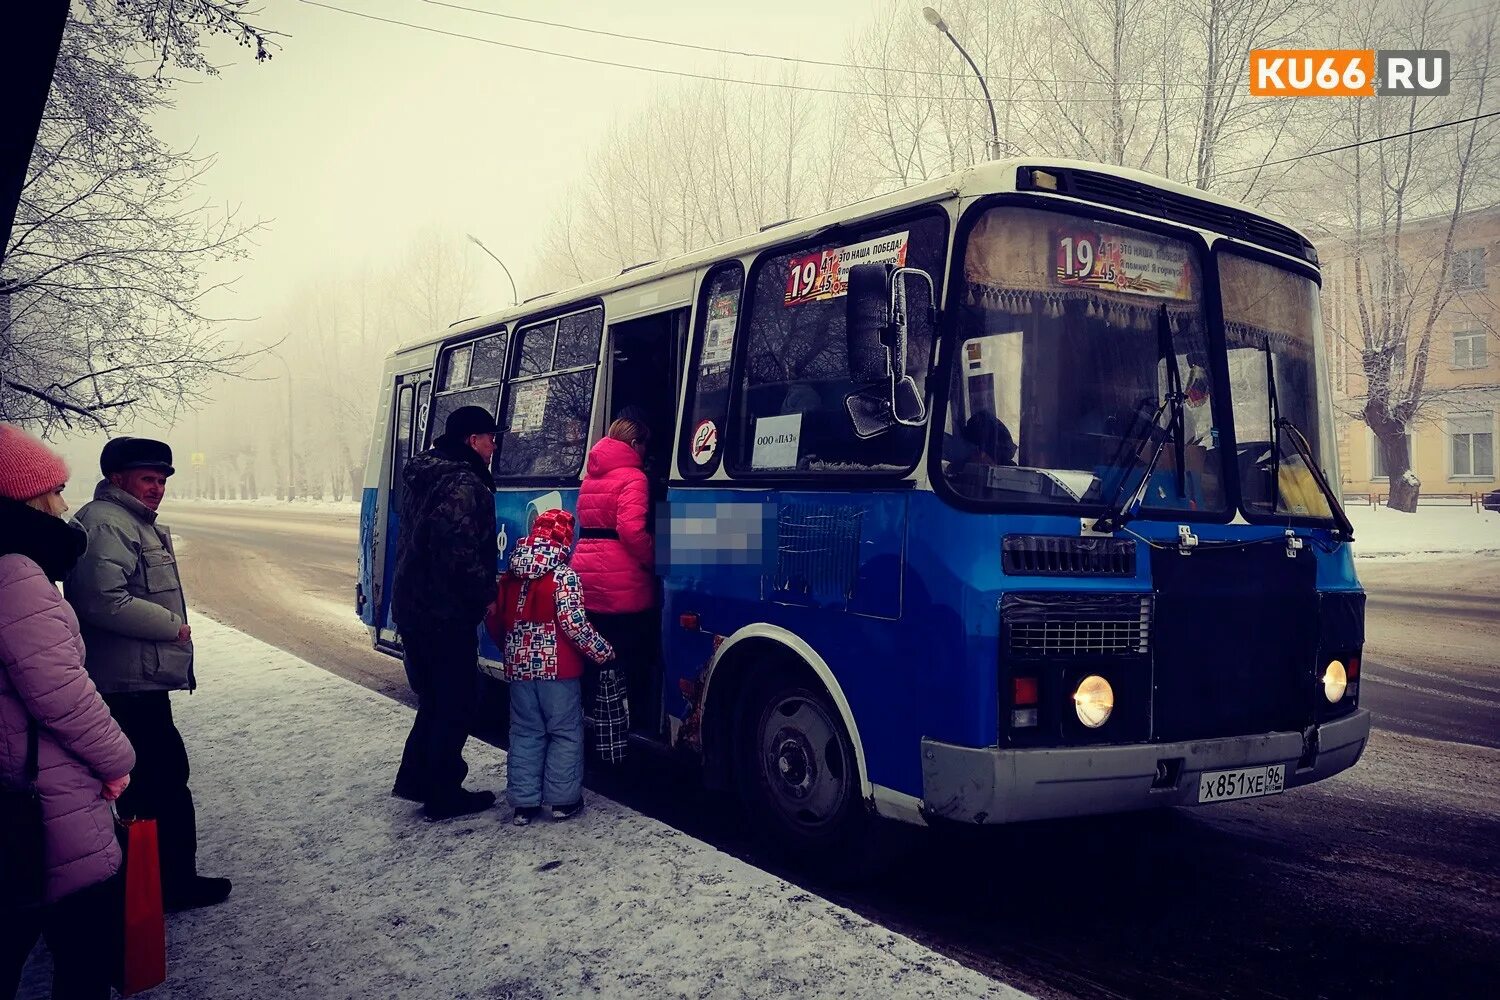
(793, 377)
(706, 411)
(424, 405)
(401, 449)
(471, 376)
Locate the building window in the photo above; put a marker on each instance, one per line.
(1378, 469)
(1473, 438)
(1468, 268)
(1469, 349)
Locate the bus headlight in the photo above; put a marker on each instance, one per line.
(1335, 682)
(1094, 701)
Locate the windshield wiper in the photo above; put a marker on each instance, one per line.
(1173, 402)
(1273, 420)
(1304, 451)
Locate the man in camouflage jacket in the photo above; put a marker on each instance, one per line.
(443, 584)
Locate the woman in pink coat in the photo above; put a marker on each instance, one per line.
(616, 563)
(83, 759)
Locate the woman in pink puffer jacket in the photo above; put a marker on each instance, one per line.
(83, 759)
(616, 563)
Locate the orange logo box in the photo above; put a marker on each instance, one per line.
(1312, 72)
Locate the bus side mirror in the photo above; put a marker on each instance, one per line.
(868, 319)
(880, 302)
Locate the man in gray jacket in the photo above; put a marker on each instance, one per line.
(133, 615)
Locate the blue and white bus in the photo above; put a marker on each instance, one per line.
(999, 498)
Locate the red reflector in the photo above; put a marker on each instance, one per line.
(1024, 691)
(1353, 668)
(689, 621)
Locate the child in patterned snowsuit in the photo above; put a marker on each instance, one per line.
(539, 621)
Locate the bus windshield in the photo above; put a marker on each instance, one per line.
(1062, 363)
(1271, 331)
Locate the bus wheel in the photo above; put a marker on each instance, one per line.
(797, 776)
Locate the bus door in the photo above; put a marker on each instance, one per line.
(645, 362)
(408, 435)
(645, 371)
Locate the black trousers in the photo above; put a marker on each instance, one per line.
(634, 636)
(442, 668)
(83, 932)
(159, 784)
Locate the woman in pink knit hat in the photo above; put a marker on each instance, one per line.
(56, 738)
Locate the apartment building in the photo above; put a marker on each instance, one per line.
(1453, 436)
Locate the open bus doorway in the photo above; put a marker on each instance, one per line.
(645, 373)
(645, 365)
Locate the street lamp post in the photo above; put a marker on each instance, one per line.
(516, 299)
(291, 459)
(936, 20)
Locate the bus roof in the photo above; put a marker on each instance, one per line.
(992, 177)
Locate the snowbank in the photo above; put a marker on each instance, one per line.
(343, 891)
(1431, 531)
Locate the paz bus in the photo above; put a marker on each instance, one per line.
(999, 498)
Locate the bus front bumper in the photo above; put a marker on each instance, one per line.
(992, 785)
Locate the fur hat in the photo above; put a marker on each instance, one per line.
(124, 453)
(28, 468)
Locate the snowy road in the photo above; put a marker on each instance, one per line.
(1381, 882)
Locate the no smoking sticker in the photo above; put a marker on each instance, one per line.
(705, 442)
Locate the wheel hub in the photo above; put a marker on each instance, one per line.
(795, 762)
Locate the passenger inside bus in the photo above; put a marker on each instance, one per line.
(625, 477)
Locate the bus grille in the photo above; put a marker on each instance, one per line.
(1236, 642)
(1067, 625)
(817, 550)
(1066, 555)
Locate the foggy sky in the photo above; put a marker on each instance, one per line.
(357, 135)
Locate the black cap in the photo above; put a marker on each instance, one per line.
(468, 420)
(135, 453)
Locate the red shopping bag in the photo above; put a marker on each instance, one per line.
(145, 944)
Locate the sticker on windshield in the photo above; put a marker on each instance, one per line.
(1114, 261)
(718, 334)
(824, 275)
(705, 442)
(777, 440)
(530, 413)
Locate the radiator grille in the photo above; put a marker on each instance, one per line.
(1063, 625)
(817, 551)
(1066, 555)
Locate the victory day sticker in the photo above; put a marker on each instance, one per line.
(825, 275)
(1116, 261)
(705, 442)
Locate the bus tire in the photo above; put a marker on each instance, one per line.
(797, 777)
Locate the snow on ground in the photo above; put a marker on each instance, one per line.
(343, 891)
(1432, 530)
(271, 503)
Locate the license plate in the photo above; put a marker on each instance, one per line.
(1244, 783)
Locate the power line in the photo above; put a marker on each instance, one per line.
(686, 73)
(748, 54)
(782, 57)
(1366, 142)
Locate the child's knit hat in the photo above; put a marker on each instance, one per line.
(554, 525)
